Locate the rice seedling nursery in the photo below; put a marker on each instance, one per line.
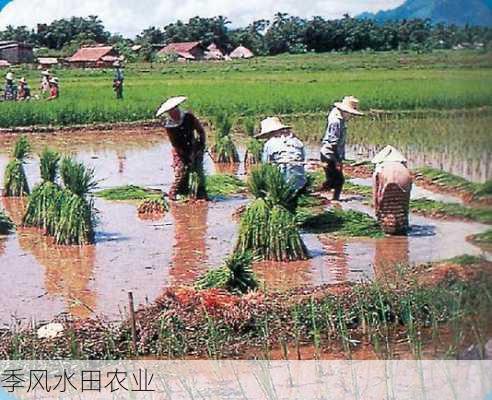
(257, 269)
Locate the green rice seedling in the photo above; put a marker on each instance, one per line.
(254, 150)
(6, 224)
(224, 150)
(75, 224)
(75, 212)
(128, 192)
(484, 237)
(15, 180)
(76, 177)
(223, 185)
(235, 276)
(193, 184)
(249, 126)
(43, 199)
(438, 208)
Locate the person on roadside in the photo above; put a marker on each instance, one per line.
(333, 143)
(188, 140)
(118, 79)
(284, 150)
(24, 90)
(54, 89)
(10, 88)
(392, 185)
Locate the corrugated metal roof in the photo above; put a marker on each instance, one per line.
(184, 47)
(90, 54)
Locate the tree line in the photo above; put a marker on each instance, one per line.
(284, 33)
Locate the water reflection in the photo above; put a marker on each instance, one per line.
(189, 251)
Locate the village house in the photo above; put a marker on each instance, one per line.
(15, 52)
(47, 62)
(94, 57)
(185, 51)
(214, 53)
(241, 52)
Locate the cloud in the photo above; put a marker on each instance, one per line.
(130, 17)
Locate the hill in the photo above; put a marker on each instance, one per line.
(459, 12)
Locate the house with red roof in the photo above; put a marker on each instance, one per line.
(185, 51)
(94, 57)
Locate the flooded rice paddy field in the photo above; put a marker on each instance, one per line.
(41, 280)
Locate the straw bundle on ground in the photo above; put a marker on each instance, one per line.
(268, 226)
(224, 150)
(15, 180)
(235, 276)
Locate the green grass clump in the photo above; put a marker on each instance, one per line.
(6, 224)
(15, 179)
(484, 237)
(128, 192)
(223, 185)
(268, 227)
(254, 151)
(224, 150)
(437, 208)
(235, 276)
(339, 222)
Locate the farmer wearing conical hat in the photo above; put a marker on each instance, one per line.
(10, 88)
(188, 140)
(118, 79)
(24, 90)
(392, 184)
(54, 89)
(283, 149)
(333, 144)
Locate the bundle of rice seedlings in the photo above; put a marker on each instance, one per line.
(153, 206)
(44, 197)
(197, 182)
(268, 226)
(6, 224)
(254, 150)
(75, 218)
(235, 276)
(224, 150)
(15, 179)
(75, 221)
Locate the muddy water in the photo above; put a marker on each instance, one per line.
(40, 280)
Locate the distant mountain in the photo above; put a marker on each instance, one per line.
(459, 12)
(3, 3)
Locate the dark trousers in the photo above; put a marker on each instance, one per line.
(334, 178)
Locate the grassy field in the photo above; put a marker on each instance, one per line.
(267, 85)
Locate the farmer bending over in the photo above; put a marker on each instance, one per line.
(187, 137)
(283, 149)
(10, 88)
(24, 90)
(333, 144)
(392, 184)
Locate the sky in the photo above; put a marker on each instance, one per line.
(130, 17)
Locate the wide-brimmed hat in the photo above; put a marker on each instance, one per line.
(349, 104)
(9, 76)
(54, 80)
(22, 80)
(270, 125)
(388, 154)
(45, 73)
(169, 104)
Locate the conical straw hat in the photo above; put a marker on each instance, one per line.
(270, 125)
(349, 104)
(169, 104)
(388, 154)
